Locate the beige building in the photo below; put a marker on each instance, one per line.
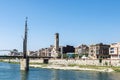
(99, 51)
(82, 50)
(114, 51)
(92, 51)
(46, 52)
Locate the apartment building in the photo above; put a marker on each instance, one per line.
(82, 50)
(114, 51)
(46, 52)
(99, 51)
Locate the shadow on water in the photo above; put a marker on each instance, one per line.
(24, 75)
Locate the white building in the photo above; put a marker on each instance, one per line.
(114, 51)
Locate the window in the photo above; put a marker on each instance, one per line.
(97, 47)
(91, 50)
(111, 48)
(97, 52)
(111, 51)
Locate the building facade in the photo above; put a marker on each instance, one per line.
(46, 52)
(99, 51)
(114, 51)
(68, 49)
(82, 50)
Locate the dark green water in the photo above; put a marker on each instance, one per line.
(12, 72)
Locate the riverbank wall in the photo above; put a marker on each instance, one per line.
(85, 62)
(94, 62)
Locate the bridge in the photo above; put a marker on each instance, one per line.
(20, 57)
(6, 50)
(14, 51)
(24, 60)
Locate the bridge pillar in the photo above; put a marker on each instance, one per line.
(24, 64)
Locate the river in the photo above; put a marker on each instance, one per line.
(12, 72)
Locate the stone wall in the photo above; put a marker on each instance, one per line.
(85, 62)
(66, 62)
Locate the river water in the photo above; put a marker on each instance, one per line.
(12, 72)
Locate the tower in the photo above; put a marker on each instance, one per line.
(57, 42)
(55, 50)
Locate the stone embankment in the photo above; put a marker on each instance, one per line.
(74, 64)
(72, 68)
(94, 62)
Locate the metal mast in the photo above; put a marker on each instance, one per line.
(25, 41)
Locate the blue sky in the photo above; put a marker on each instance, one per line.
(77, 22)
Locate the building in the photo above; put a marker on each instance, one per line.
(82, 50)
(48, 52)
(51, 51)
(45, 52)
(32, 53)
(114, 51)
(68, 49)
(65, 50)
(99, 51)
(14, 52)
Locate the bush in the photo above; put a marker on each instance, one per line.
(100, 60)
(75, 55)
(106, 63)
(65, 56)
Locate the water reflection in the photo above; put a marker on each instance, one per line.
(24, 75)
(12, 72)
(55, 75)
